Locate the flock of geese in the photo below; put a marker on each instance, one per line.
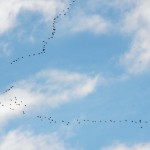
(52, 34)
(7, 90)
(51, 120)
(14, 103)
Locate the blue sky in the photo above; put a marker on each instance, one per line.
(95, 68)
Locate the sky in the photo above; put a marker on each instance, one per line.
(92, 77)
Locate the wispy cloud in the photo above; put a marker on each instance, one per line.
(5, 49)
(24, 140)
(121, 146)
(93, 23)
(58, 87)
(133, 20)
(107, 4)
(137, 23)
(81, 21)
(10, 9)
(49, 88)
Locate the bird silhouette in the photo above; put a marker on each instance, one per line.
(7, 90)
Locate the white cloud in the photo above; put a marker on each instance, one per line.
(140, 146)
(50, 88)
(10, 9)
(106, 4)
(5, 49)
(25, 140)
(134, 20)
(81, 21)
(137, 23)
(90, 23)
(58, 87)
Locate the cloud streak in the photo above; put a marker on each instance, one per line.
(10, 9)
(93, 23)
(23, 140)
(49, 88)
(138, 146)
(137, 23)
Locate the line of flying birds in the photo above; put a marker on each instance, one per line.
(52, 34)
(15, 102)
(45, 42)
(51, 120)
(8, 90)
